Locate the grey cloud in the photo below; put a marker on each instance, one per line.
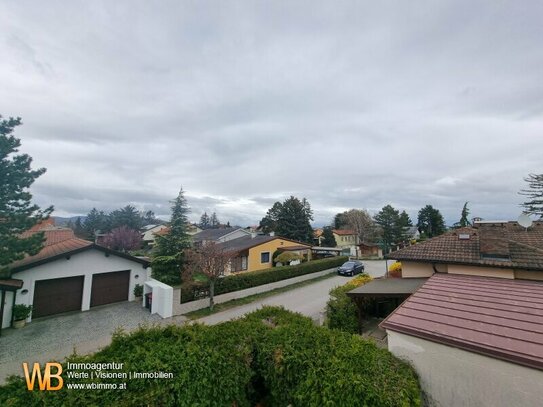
(349, 104)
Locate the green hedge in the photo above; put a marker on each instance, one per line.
(242, 281)
(272, 357)
(341, 311)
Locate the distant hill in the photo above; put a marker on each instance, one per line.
(61, 221)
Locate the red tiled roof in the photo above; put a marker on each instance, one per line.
(496, 317)
(342, 232)
(57, 241)
(505, 245)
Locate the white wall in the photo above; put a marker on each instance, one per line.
(236, 234)
(162, 297)
(454, 377)
(86, 264)
(8, 304)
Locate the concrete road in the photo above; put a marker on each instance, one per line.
(309, 300)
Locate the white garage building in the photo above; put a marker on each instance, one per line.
(71, 274)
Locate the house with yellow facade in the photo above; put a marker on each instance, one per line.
(255, 252)
(345, 238)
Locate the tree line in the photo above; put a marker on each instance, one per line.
(97, 221)
(291, 218)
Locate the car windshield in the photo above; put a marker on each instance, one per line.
(349, 264)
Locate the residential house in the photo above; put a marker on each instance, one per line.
(255, 252)
(150, 231)
(345, 238)
(318, 236)
(367, 249)
(471, 320)
(219, 235)
(69, 274)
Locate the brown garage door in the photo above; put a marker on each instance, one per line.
(109, 287)
(57, 295)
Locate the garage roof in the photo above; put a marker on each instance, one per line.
(388, 286)
(499, 318)
(60, 242)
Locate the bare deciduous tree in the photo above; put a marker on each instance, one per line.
(210, 260)
(362, 223)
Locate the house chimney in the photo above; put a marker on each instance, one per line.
(272, 234)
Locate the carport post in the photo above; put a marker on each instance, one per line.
(2, 310)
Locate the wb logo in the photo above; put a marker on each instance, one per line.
(44, 382)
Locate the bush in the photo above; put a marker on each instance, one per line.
(21, 311)
(341, 311)
(395, 270)
(242, 281)
(287, 257)
(272, 357)
(167, 269)
(138, 290)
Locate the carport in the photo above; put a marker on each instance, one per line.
(382, 296)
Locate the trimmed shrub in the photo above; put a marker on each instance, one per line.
(395, 270)
(272, 357)
(341, 311)
(236, 282)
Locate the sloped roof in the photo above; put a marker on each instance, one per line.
(61, 242)
(342, 232)
(496, 317)
(247, 242)
(213, 234)
(57, 241)
(505, 245)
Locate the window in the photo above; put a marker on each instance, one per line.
(265, 257)
(244, 262)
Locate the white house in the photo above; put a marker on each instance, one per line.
(70, 274)
(148, 234)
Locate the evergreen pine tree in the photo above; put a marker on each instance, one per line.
(168, 261)
(204, 221)
(328, 239)
(17, 213)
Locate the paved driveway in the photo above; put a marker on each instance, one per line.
(56, 337)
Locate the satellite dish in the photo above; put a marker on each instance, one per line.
(524, 221)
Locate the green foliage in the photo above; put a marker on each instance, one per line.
(21, 311)
(290, 219)
(138, 290)
(167, 264)
(127, 216)
(204, 221)
(392, 226)
(341, 311)
(328, 239)
(94, 222)
(177, 239)
(255, 278)
(464, 217)
(287, 257)
(534, 205)
(430, 221)
(167, 269)
(272, 357)
(17, 213)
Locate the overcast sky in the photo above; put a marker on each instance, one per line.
(350, 104)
